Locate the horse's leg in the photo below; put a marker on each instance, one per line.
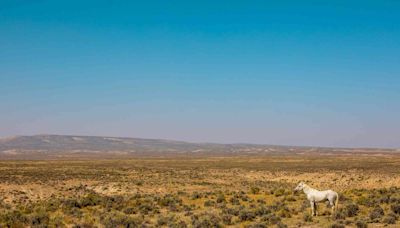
(333, 200)
(312, 208)
(316, 208)
(332, 207)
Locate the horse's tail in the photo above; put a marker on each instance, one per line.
(337, 202)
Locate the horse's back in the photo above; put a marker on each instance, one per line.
(331, 195)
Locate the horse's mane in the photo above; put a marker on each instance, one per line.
(306, 187)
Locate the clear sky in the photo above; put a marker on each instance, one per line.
(321, 73)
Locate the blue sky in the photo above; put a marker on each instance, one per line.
(275, 72)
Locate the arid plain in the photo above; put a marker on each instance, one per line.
(199, 190)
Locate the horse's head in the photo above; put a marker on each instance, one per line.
(299, 187)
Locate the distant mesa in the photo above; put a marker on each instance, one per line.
(43, 146)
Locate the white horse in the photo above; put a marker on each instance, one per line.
(314, 196)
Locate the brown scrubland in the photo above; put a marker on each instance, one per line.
(199, 191)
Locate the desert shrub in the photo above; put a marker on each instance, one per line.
(395, 208)
(39, 218)
(304, 205)
(290, 199)
(232, 211)
(393, 215)
(187, 208)
(279, 192)
(115, 219)
(261, 201)
(376, 214)
(241, 196)
(245, 198)
(206, 220)
(113, 202)
(339, 214)
(178, 224)
(254, 190)
(307, 217)
(169, 201)
(394, 200)
(74, 212)
(234, 201)
(361, 224)
(70, 203)
(246, 215)
(348, 222)
(366, 201)
(82, 225)
(51, 205)
(146, 206)
(196, 195)
(227, 219)
(337, 225)
(278, 206)
(352, 210)
(13, 218)
(389, 219)
(281, 225)
(130, 210)
(257, 225)
(165, 220)
(284, 212)
(326, 213)
(384, 199)
(271, 219)
(209, 203)
(90, 200)
(262, 210)
(138, 182)
(221, 198)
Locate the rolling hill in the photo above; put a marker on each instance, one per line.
(67, 145)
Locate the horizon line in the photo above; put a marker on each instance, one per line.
(202, 142)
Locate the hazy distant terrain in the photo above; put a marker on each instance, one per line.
(60, 145)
